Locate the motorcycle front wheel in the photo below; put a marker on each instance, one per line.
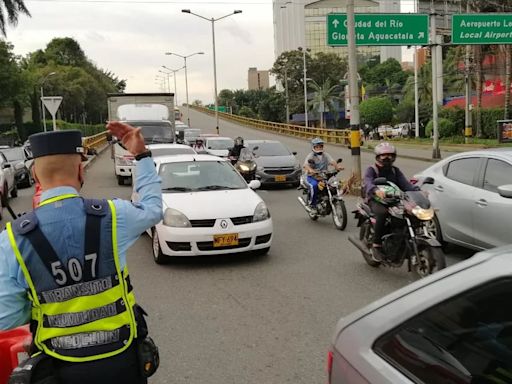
(431, 259)
(339, 215)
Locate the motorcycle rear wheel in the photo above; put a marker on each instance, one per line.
(431, 260)
(339, 215)
(366, 237)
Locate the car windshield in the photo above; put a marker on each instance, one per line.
(171, 151)
(269, 149)
(192, 132)
(193, 176)
(219, 144)
(13, 154)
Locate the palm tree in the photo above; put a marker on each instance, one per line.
(324, 98)
(11, 9)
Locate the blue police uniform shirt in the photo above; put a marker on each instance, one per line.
(132, 220)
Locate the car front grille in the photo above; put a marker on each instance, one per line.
(176, 247)
(278, 171)
(208, 245)
(241, 220)
(202, 223)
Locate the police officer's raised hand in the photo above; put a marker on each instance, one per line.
(130, 136)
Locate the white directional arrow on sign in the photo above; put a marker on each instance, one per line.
(421, 35)
(52, 103)
(335, 22)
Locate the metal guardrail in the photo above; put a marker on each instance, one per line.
(94, 141)
(339, 136)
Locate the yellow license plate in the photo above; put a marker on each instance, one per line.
(225, 240)
(280, 178)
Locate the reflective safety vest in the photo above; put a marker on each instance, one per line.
(83, 307)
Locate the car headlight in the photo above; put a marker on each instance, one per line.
(174, 218)
(261, 213)
(124, 161)
(423, 214)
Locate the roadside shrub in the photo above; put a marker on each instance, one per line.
(446, 128)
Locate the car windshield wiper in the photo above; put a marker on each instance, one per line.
(215, 188)
(178, 189)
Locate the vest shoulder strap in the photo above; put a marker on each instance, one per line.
(95, 210)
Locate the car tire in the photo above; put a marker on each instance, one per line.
(435, 226)
(120, 180)
(158, 255)
(14, 191)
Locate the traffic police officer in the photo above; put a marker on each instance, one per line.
(63, 266)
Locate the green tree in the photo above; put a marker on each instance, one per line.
(12, 9)
(324, 98)
(248, 112)
(272, 107)
(376, 111)
(405, 112)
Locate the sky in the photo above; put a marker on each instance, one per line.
(130, 39)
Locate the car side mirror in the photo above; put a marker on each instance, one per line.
(340, 160)
(209, 147)
(254, 184)
(256, 148)
(380, 181)
(6, 165)
(294, 153)
(505, 191)
(428, 180)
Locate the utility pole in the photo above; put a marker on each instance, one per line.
(355, 135)
(416, 86)
(286, 94)
(436, 153)
(468, 129)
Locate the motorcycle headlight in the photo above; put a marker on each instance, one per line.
(174, 218)
(243, 167)
(261, 213)
(423, 214)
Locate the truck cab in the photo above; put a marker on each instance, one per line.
(152, 112)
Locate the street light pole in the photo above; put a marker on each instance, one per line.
(42, 97)
(186, 78)
(168, 81)
(213, 20)
(175, 89)
(286, 94)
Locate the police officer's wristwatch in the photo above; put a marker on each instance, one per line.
(140, 156)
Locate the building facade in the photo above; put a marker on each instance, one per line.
(258, 79)
(302, 23)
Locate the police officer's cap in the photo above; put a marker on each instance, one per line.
(67, 142)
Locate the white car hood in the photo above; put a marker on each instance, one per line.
(213, 204)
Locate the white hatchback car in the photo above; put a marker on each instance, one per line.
(219, 146)
(208, 209)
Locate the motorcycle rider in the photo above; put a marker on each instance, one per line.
(385, 156)
(234, 153)
(316, 162)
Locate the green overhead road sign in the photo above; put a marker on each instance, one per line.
(379, 29)
(487, 28)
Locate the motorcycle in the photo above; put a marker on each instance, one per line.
(245, 164)
(407, 236)
(330, 198)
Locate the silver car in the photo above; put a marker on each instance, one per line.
(471, 193)
(454, 326)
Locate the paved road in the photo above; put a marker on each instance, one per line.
(252, 320)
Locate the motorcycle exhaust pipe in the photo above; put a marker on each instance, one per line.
(301, 200)
(359, 245)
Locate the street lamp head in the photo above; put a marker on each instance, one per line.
(185, 10)
(237, 11)
(200, 53)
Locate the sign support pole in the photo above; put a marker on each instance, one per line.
(468, 130)
(355, 134)
(436, 153)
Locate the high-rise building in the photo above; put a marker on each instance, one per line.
(258, 79)
(302, 23)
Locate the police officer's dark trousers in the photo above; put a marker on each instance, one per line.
(122, 368)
